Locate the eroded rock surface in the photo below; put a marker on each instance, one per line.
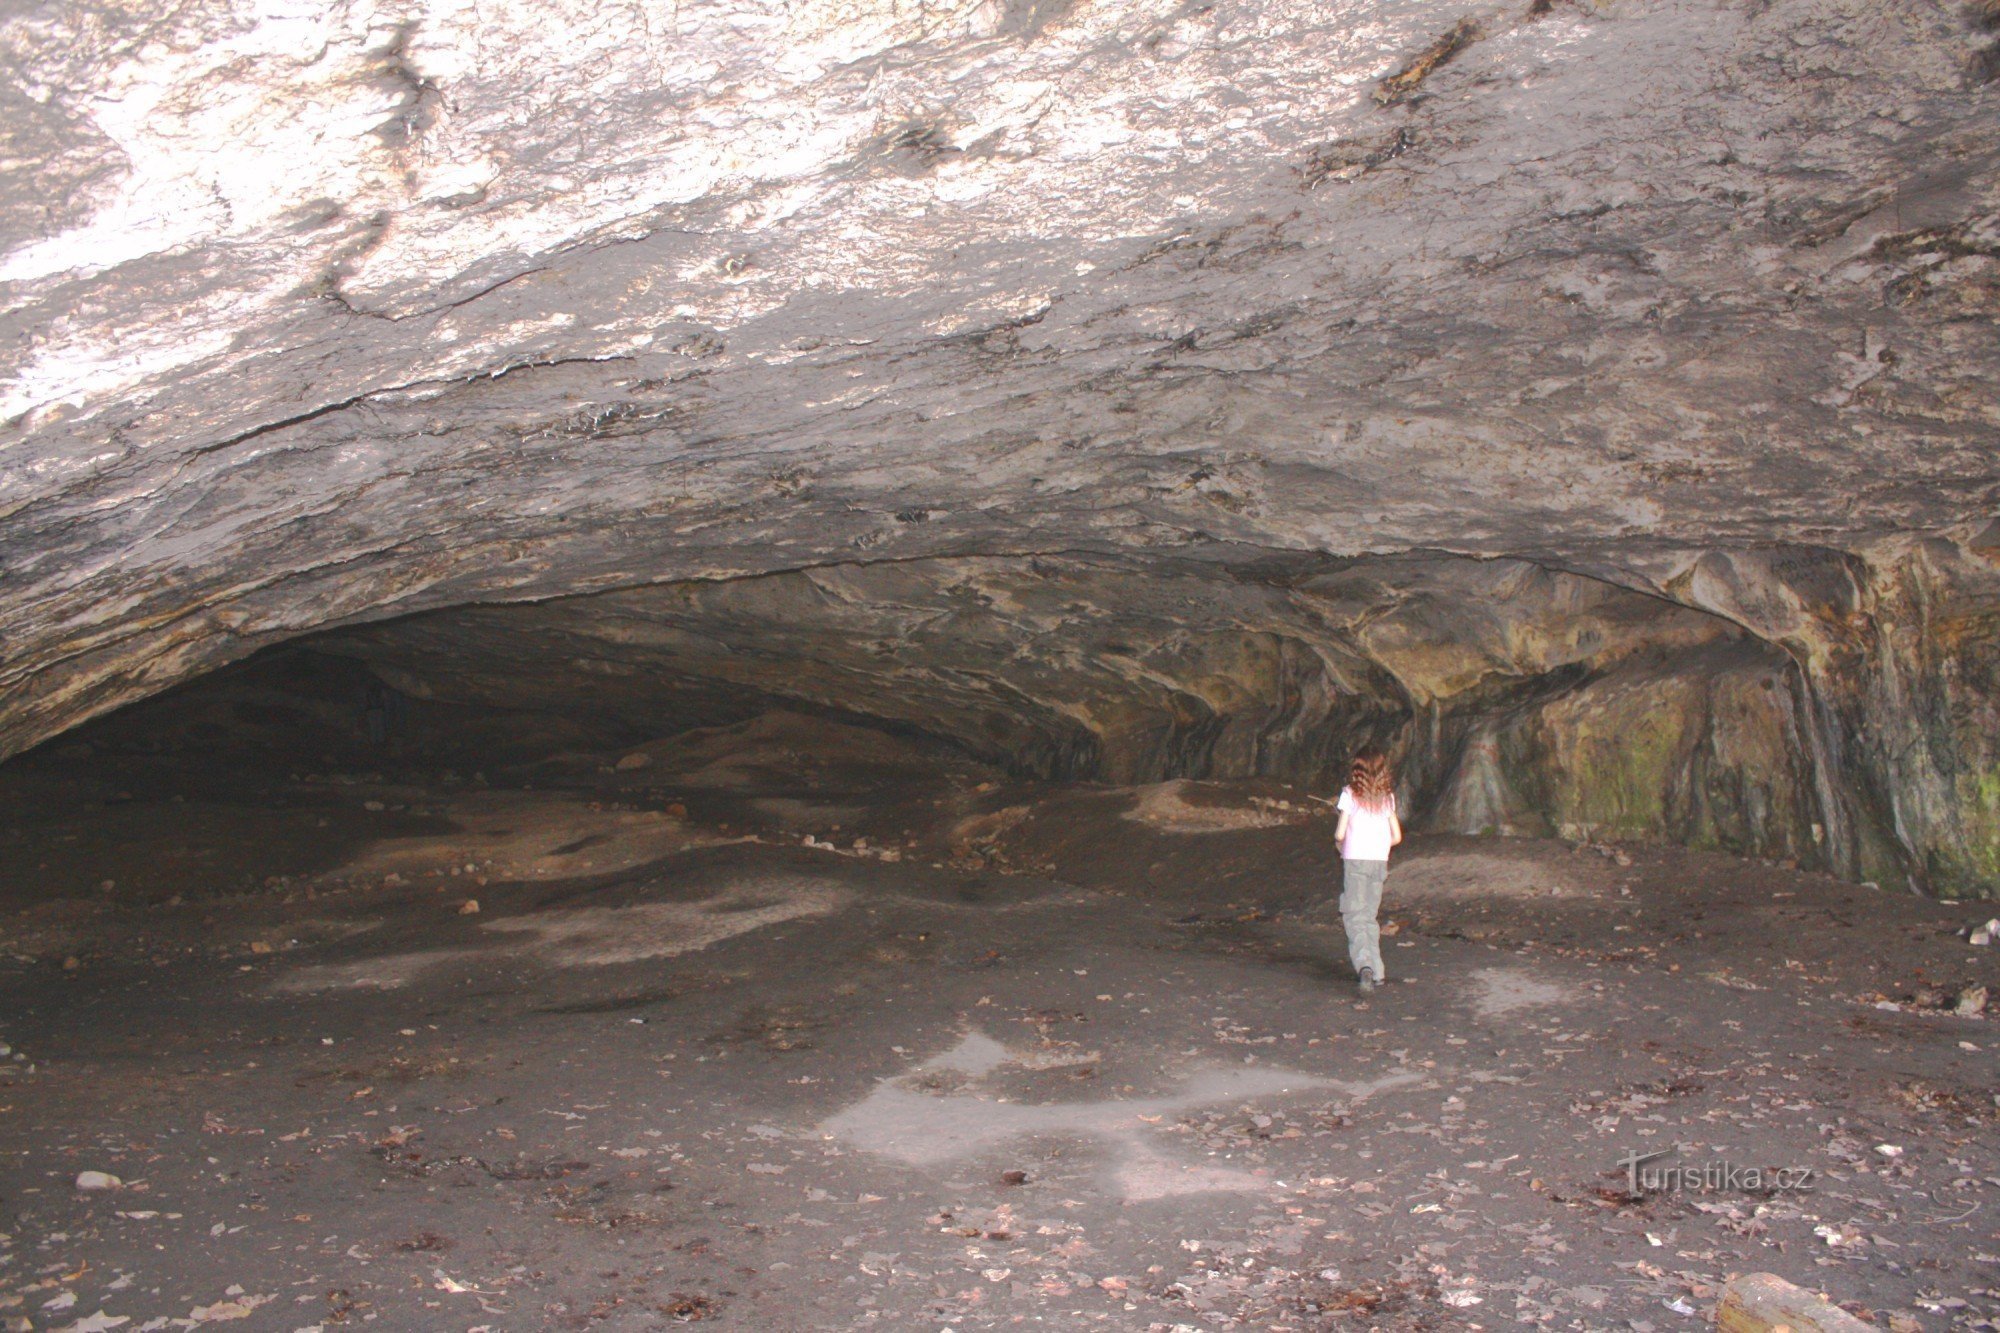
(779, 326)
(1621, 716)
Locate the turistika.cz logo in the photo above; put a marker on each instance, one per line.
(1711, 1177)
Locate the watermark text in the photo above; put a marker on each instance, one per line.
(1712, 1177)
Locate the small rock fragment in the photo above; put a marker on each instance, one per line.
(1971, 1001)
(97, 1180)
(635, 760)
(1764, 1303)
(470, 907)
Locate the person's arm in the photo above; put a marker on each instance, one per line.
(1340, 829)
(1395, 829)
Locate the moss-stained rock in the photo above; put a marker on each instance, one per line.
(1700, 748)
(1899, 648)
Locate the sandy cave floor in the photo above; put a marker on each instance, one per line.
(1069, 1058)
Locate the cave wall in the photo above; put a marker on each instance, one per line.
(1704, 749)
(1897, 645)
(1926, 712)
(1517, 699)
(1794, 703)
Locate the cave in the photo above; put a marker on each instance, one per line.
(696, 663)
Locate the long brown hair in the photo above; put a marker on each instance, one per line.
(1373, 785)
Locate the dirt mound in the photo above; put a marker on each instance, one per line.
(530, 835)
(1184, 806)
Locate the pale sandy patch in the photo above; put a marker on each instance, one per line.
(531, 835)
(922, 1125)
(598, 936)
(1166, 806)
(1476, 875)
(1502, 990)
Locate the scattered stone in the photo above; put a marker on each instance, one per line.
(633, 761)
(470, 907)
(1013, 1177)
(1766, 1303)
(98, 1180)
(1971, 1001)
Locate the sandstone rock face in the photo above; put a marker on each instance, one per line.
(1518, 700)
(1595, 399)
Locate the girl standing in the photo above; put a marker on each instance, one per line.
(1366, 829)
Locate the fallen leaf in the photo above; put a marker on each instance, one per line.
(224, 1311)
(96, 1323)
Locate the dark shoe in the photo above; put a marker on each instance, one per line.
(1367, 983)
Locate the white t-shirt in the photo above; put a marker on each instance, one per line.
(1369, 832)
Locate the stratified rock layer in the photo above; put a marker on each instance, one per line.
(314, 320)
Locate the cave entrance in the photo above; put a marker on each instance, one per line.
(935, 709)
(1516, 699)
(953, 941)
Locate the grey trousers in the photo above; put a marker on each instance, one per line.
(1360, 899)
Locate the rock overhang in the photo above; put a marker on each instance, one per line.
(325, 321)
